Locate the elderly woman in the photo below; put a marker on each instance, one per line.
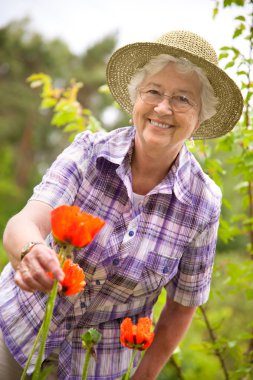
(161, 212)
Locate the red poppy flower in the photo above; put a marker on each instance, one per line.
(73, 281)
(71, 226)
(137, 336)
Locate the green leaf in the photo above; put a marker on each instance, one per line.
(229, 64)
(62, 118)
(227, 3)
(91, 338)
(238, 31)
(223, 55)
(70, 127)
(248, 97)
(240, 2)
(86, 112)
(241, 18)
(225, 48)
(104, 89)
(48, 103)
(242, 73)
(242, 185)
(94, 125)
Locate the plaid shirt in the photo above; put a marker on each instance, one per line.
(167, 240)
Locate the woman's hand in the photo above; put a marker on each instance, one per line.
(32, 272)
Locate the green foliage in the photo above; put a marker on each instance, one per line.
(91, 338)
(233, 349)
(28, 143)
(3, 257)
(68, 112)
(229, 314)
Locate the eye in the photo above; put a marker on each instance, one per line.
(182, 99)
(153, 92)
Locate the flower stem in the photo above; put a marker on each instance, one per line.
(46, 325)
(86, 364)
(127, 375)
(32, 352)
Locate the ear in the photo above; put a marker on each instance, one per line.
(196, 126)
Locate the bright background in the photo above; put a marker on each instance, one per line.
(81, 23)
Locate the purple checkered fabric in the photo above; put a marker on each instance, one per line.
(167, 240)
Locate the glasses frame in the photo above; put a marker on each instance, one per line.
(192, 104)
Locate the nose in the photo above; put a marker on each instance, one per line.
(164, 107)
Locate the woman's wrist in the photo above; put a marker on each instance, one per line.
(28, 247)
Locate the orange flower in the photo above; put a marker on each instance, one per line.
(137, 336)
(71, 226)
(73, 281)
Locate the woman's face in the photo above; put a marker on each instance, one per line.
(158, 126)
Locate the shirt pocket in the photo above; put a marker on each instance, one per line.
(95, 282)
(157, 272)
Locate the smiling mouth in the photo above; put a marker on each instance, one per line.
(160, 125)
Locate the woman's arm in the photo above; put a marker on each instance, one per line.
(172, 325)
(32, 224)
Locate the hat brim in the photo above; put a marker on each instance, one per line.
(126, 60)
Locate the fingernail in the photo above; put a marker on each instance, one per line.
(61, 277)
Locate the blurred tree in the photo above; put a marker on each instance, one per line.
(28, 143)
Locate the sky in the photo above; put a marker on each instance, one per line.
(81, 23)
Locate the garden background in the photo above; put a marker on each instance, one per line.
(36, 124)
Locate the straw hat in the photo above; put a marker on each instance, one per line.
(126, 60)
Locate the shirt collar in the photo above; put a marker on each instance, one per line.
(178, 178)
(120, 148)
(182, 185)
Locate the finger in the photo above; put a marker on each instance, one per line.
(31, 275)
(18, 278)
(51, 264)
(39, 278)
(34, 276)
(42, 260)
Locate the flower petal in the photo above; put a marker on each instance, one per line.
(71, 226)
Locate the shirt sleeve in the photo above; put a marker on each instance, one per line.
(191, 285)
(62, 180)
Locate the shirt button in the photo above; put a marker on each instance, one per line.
(97, 282)
(131, 233)
(165, 270)
(115, 262)
(68, 326)
(83, 304)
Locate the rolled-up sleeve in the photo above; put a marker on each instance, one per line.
(191, 285)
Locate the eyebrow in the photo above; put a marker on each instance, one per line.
(177, 90)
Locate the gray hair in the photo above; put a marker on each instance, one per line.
(208, 99)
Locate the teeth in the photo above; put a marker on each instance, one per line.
(160, 125)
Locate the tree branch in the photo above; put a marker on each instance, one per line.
(213, 338)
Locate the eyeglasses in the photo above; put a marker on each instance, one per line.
(178, 103)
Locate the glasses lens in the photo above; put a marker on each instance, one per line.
(150, 97)
(178, 103)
